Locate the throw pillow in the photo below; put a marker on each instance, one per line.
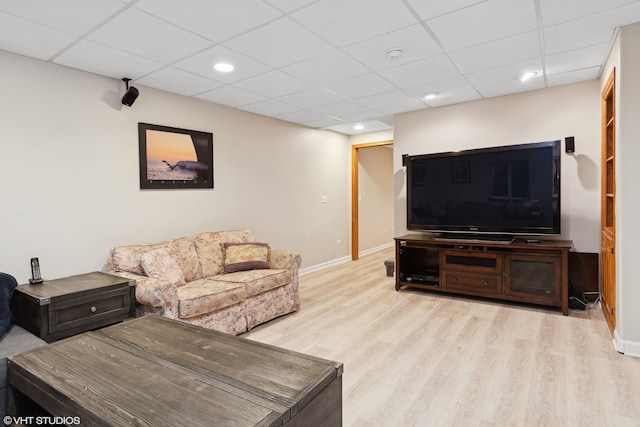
(7, 284)
(159, 264)
(245, 256)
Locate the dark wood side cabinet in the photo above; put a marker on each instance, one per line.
(60, 308)
(530, 271)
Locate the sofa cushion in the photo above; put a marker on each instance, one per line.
(209, 248)
(17, 340)
(245, 256)
(184, 252)
(204, 296)
(257, 281)
(159, 264)
(125, 258)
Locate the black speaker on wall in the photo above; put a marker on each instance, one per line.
(569, 145)
(130, 95)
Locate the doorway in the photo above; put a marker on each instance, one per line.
(355, 191)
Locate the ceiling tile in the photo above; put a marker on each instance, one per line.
(577, 59)
(484, 22)
(414, 41)
(582, 75)
(340, 109)
(301, 116)
(360, 116)
(160, 41)
(269, 107)
(231, 96)
(272, 84)
(289, 5)
(312, 98)
(423, 71)
(361, 86)
(509, 50)
(412, 105)
(506, 75)
(103, 60)
(71, 16)
(453, 97)
(280, 43)
(590, 30)
(395, 97)
(306, 60)
(569, 36)
(324, 123)
(511, 88)
(178, 81)
(431, 9)
(554, 11)
(26, 38)
(327, 69)
(203, 62)
(356, 20)
(448, 92)
(368, 126)
(238, 16)
(440, 86)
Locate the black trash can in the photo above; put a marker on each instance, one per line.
(389, 265)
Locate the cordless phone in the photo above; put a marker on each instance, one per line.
(35, 272)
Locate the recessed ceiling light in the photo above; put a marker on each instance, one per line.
(359, 126)
(224, 67)
(431, 95)
(527, 76)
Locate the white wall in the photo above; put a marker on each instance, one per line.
(543, 115)
(70, 185)
(626, 57)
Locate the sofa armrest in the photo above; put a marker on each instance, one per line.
(284, 259)
(157, 293)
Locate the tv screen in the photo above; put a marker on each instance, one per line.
(502, 190)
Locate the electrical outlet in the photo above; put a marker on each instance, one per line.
(338, 242)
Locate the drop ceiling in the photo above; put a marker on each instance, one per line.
(324, 63)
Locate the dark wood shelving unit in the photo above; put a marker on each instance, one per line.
(523, 270)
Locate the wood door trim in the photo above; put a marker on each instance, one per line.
(355, 249)
(608, 201)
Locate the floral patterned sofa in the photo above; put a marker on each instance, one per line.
(221, 280)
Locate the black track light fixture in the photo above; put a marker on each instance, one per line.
(130, 95)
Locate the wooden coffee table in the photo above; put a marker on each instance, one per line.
(155, 371)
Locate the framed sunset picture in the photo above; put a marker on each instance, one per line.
(174, 158)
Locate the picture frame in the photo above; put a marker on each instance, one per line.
(174, 158)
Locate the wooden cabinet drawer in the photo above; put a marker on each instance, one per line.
(481, 262)
(470, 282)
(90, 310)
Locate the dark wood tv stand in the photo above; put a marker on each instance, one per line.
(530, 271)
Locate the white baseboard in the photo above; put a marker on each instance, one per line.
(342, 260)
(324, 265)
(628, 348)
(376, 249)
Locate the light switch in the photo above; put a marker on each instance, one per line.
(325, 198)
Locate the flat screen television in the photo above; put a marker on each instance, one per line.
(491, 192)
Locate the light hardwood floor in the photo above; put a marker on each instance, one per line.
(415, 358)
